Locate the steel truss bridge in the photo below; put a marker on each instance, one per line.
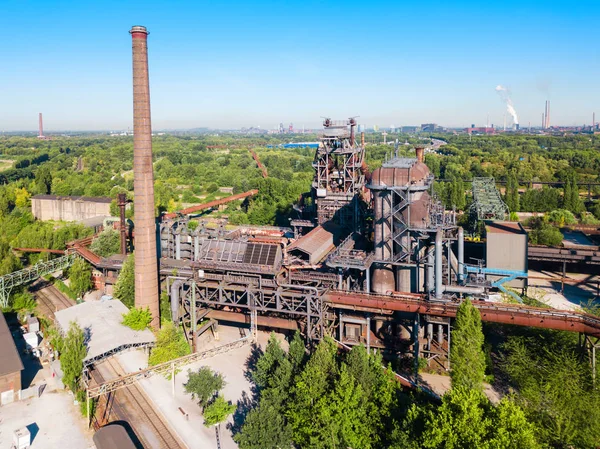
(21, 277)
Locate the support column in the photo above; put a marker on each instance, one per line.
(368, 334)
(416, 347)
(194, 324)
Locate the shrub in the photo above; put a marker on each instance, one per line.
(137, 319)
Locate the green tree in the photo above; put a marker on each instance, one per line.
(297, 352)
(341, 418)
(265, 427)
(137, 319)
(80, 277)
(43, 180)
(467, 419)
(71, 360)
(107, 243)
(125, 287)
(311, 385)
(268, 362)
(511, 197)
(170, 344)
(466, 353)
(204, 385)
(217, 411)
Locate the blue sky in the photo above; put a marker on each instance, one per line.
(233, 64)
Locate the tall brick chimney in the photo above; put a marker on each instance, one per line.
(146, 267)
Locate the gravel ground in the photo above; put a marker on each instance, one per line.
(549, 292)
(191, 429)
(52, 419)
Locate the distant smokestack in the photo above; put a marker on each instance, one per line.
(41, 127)
(146, 268)
(420, 151)
(548, 114)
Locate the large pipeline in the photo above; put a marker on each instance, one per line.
(497, 313)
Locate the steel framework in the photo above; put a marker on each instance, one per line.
(487, 202)
(302, 302)
(338, 176)
(163, 368)
(11, 280)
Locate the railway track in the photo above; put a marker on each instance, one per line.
(50, 300)
(131, 404)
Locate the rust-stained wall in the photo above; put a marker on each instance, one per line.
(66, 208)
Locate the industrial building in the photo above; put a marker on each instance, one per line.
(10, 365)
(370, 258)
(69, 208)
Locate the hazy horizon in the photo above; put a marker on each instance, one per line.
(262, 63)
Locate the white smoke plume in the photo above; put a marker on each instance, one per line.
(505, 95)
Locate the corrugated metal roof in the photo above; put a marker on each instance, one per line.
(395, 176)
(318, 242)
(10, 360)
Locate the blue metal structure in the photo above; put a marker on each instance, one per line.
(507, 276)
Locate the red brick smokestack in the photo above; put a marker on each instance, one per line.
(146, 268)
(420, 152)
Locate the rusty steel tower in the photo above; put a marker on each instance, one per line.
(146, 267)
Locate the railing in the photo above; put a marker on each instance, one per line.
(11, 280)
(163, 368)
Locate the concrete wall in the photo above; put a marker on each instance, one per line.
(68, 209)
(10, 382)
(507, 251)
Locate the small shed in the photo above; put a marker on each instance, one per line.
(506, 249)
(10, 365)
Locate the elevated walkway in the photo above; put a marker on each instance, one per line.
(27, 275)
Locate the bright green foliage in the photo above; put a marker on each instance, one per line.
(555, 389)
(543, 233)
(125, 287)
(466, 353)
(571, 200)
(217, 411)
(8, 261)
(137, 319)
(268, 363)
(310, 387)
(73, 353)
(540, 200)
(204, 385)
(561, 217)
(22, 301)
(265, 427)
(170, 344)
(107, 243)
(512, 192)
(43, 180)
(467, 419)
(80, 277)
(340, 417)
(297, 352)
